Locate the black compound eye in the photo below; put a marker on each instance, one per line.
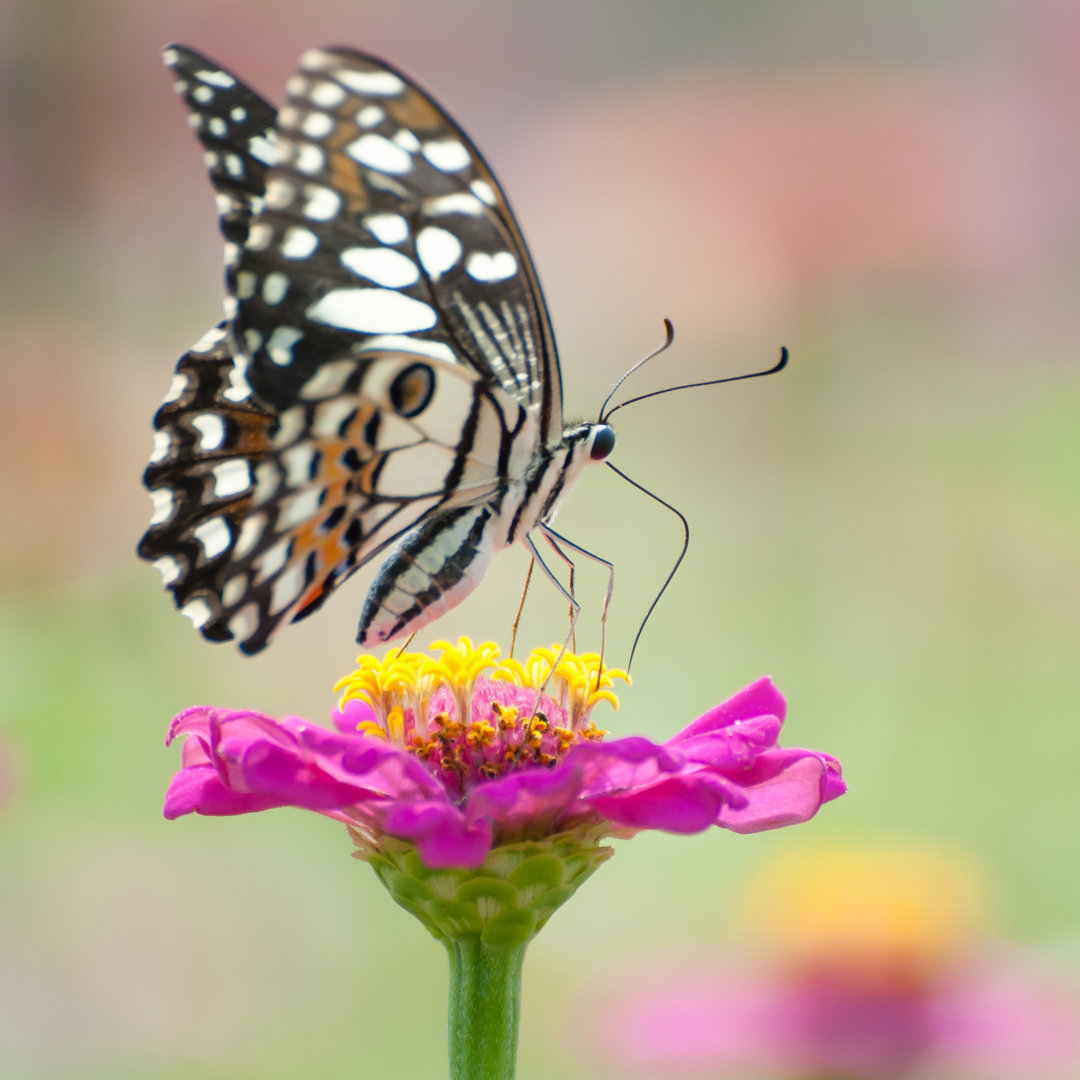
(603, 442)
(412, 388)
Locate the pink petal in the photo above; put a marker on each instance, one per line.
(682, 1022)
(355, 713)
(523, 798)
(759, 699)
(443, 838)
(381, 766)
(619, 765)
(1007, 1019)
(192, 721)
(199, 790)
(735, 747)
(294, 779)
(785, 787)
(682, 804)
(260, 762)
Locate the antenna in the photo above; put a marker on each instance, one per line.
(669, 337)
(779, 366)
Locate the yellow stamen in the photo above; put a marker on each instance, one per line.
(481, 733)
(460, 665)
(508, 718)
(402, 683)
(585, 681)
(448, 729)
(383, 683)
(395, 723)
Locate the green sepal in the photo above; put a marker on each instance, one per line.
(505, 901)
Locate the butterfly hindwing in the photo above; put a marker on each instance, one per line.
(259, 516)
(209, 437)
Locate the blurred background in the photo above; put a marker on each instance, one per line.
(890, 527)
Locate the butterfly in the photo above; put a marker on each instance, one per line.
(384, 380)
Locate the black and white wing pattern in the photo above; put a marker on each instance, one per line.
(386, 230)
(385, 370)
(236, 129)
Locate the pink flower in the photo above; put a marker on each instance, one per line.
(436, 753)
(997, 1020)
(870, 969)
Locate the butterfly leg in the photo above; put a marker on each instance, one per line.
(570, 563)
(555, 539)
(573, 636)
(521, 606)
(575, 610)
(575, 607)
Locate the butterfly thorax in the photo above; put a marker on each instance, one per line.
(554, 472)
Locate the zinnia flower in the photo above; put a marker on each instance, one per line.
(869, 968)
(480, 788)
(461, 754)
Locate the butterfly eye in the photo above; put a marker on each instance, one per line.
(603, 442)
(411, 390)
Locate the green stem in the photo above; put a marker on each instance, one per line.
(485, 1004)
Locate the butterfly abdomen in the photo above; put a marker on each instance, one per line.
(431, 571)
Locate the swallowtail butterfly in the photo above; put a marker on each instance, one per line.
(384, 380)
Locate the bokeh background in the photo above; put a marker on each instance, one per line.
(890, 528)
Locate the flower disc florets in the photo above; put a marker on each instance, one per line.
(471, 715)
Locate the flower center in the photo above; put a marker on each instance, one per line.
(471, 715)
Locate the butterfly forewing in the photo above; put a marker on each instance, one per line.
(384, 229)
(236, 129)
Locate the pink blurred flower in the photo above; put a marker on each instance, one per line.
(873, 975)
(435, 753)
(993, 1021)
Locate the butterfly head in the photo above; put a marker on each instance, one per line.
(559, 468)
(588, 442)
(601, 441)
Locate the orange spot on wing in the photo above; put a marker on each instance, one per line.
(366, 477)
(413, 110)
(345, 177)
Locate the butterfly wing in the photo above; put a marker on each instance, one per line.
(236, 129)
(383, 228)
(259, 516)
(386, 353)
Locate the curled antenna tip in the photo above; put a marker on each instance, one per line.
(784, 357)
(669, 337)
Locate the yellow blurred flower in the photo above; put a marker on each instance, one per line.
(896, 914)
